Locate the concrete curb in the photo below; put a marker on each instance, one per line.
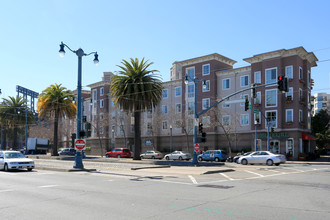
(218, 171)
(63, 169)
(140, 168)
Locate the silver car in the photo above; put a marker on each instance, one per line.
(152, 155)
(15, 160)
(178, 155)
(262, 157)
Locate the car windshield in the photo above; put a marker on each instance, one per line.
(14, 155)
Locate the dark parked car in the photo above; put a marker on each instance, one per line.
(119, 152)
(67, 151)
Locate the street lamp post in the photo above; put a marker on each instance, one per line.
(255, 141)
(80, 53)
(195, 80)
(170, 138)
(26, 129)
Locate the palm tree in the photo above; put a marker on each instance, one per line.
(56, 102)
(13, 115)
(136, 89)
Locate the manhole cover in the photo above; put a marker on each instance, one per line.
(216, 186)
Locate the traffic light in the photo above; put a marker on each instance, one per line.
(280, 83)
(88, 129)
(285, 84)
(200, 127)
(253, 92)
(246, 104)
(82, 134)
(203, 137)
(272, 129)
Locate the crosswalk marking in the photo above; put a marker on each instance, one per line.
(224, 175)
(47, 186)
(258, 174)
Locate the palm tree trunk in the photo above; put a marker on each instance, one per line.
(54, 148)
(137, 135)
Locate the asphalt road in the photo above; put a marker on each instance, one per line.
(289, 192)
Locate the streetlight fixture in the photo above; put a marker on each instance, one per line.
(195, 80)
(170, 138)
(80, 53)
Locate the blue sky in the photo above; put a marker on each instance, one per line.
(161, 31)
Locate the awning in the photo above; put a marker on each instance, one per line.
(307, 137)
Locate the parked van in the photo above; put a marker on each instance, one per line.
(213, 155)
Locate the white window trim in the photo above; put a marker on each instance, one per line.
(165, 113)
(229, 121)
(254, 115)
(101, 101)
(266, 118)
(229, 84)
(241, 120)
(287, 143)
(209, 83)
(180, 91)
(256, 77)
(241, 80)
(286, 115)
(187, 73)
(203, 103)
(302, 116)
(286, 74)
(203, 69)
(300, 76)
(266, 98)
(266, 74)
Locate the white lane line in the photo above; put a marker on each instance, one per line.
(6, 190)
(301, 171)
(6, 173)
(47, 186)
(254, 173)
(109, 180)
(192, 179)
(166, 181)
(224, 175)
(274, 171)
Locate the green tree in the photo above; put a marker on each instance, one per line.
(13, 116)
(56, 102)
(136, 89)
(320, 122)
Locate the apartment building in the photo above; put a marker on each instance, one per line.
(320, 101)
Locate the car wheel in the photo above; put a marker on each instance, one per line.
(167, 158)
(118, 156)
(180, 158)
(216, 159)
(244, 162)
(200, 159)
(142, 157)
(153, 157)
(107, 156)
(29, 169)
(230, 160)
(6, 167)
(277, 164)
(270, 162)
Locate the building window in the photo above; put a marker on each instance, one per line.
(178, 91)
(225, 105)
(101, 91)
(300, 73)
(225, 84)
(301, 95)
(257, 77)
(257, 100)
(244, 119)
(101, 103)
(164, 109)
(244, 96)
(112, 102)
(206, 121)
(289, 71)
(271, 75)
(257, 118)
(149, 113)
(271, 116)
(178, 108)
(271, 98)
(102, 130)
(300, 115)
(191, 74)
(244, 81)
(94, 94)
(289, 95)
(226, 120)
(207, 86)
(191, 91)
(191, 108)
(149, 128)
(164, 125)
(206, 69)
(289, 146)
(206, 103)
(165, 95)
(289, 115)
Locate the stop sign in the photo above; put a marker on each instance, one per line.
(196, 147)
(80, 144)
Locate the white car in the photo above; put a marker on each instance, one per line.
(15, 160)
(178, 155)
(152, 155)
(263, 157)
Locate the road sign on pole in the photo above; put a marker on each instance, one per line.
(197, 147)
(255, 111)
(80, 144)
